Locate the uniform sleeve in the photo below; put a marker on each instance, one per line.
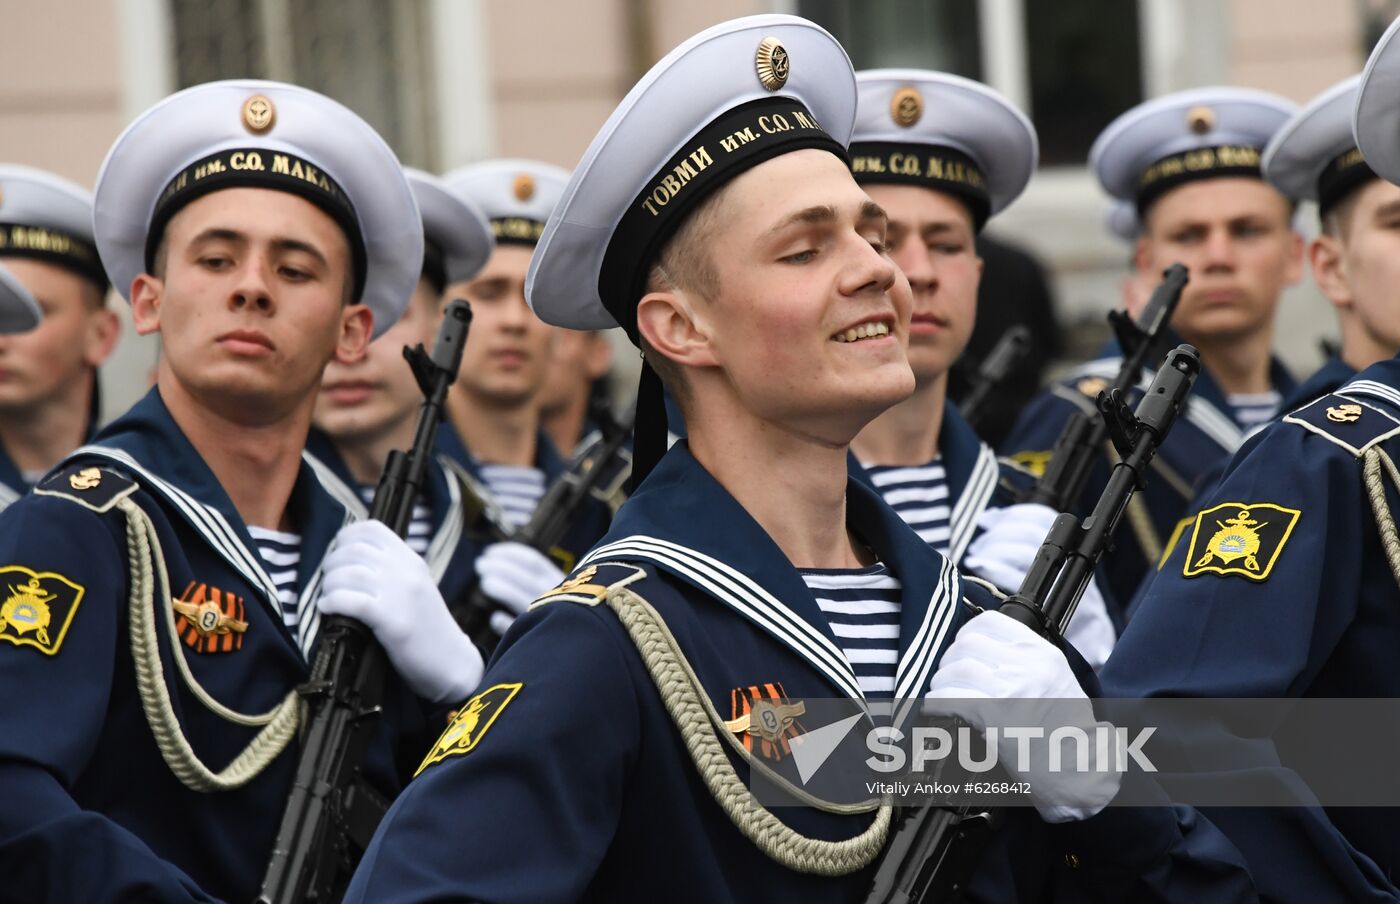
(1257, 613)
(62, 601)
(519, 800)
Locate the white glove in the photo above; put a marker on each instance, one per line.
(515, 575)
(1003, 554)
(995, 658)
(372, 576)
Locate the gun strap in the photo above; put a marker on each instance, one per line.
(1373, 459)
(702, 729)
(278, 725)
(1140, 520)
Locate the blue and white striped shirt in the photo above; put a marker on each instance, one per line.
(517, 490)
(420, 523)
(281, 554)
(862, 605)
(919, 495)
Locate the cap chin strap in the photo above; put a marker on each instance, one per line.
(279, 725)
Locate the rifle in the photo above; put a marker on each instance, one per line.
(934, 851)
(1006, 354)
(332, 811)
(1084, 434)
(557, 510)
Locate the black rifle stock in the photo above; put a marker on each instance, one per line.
(995, 368)
(332, 811)
(550, 522)
(1083, 435)
(934, 851)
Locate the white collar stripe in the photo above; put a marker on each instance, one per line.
(744, 596)
(973, 501)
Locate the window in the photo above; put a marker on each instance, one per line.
(1073, 65)
(371, 55)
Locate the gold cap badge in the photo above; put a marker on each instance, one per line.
(524, 187)
(1200, 120)
(258, 114)
(907, 106)
(772, 63)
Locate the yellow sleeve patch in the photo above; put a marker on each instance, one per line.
(1239, 538)
(471, 723)
(36, 608)
(1174, 539)
(1034, 462)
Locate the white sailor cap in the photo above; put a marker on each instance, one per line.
(261, 134)
(517, 196)
(46, 217)
(1121, 220)
(1376, 120)
(733, 96)
(18, 309)
(945, 132)
(457, 239)
(1199, 134)
(1314, 155)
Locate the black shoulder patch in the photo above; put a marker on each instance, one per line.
(1350, 423)
(88, 485)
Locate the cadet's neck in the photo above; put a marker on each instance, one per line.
(564, 425)
(495, 434)
(906, 434)
(38, 437)
(1360, 348)
(793, 485)
(364, 456)
(1238, 364)
(255, 454)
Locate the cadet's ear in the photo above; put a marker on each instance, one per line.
(667, 322)
(103, 328)
(146, 294)
(1329, 270)
(356, 328)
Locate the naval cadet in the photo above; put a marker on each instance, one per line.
(942, 154)
(715, 219)
(369, 407)
(1189, 162)
(1314, 157)
(164, 587)
(50, 403)
(494, 429)
(1285, 582)
(575, 387)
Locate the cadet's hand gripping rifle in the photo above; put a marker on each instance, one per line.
(556, 511)
(995, 368)
(333, 811)
(1083, 435)
(933, 851)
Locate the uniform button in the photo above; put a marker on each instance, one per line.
(1072, 861)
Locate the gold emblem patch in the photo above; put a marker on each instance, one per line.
(258, 114)
(1200, 120)
(1344, 414)
(471, 723)
(86, 479)
(38, 607)
(579, 584)
(210, 620)
(524, 187)
(1247, 539)
(772, 63)
(907, 106)
(1033, 462)
(764, 718)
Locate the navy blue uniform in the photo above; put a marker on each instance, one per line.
(1205, 434)
(463, 520)
(91, 811)
(976, 480)
(587, 527)
(1280, 588)
(567, 780)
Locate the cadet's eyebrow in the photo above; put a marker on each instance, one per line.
(219, 234)
(872, 211)
(1388, 209)
(285, 245)
(282, 245)
(822, 213)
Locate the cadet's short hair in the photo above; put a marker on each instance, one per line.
(685, 263)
